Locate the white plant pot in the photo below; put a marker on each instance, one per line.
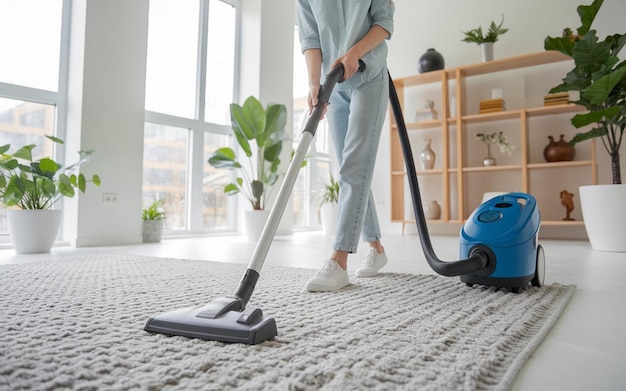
(254, 222)
(152, 230)
(604, 213)
(486, 50)
(33, 231)
(328, 215)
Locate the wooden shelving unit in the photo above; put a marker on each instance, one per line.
(453, 128)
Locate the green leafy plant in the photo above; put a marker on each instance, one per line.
(251, 123)
(153, 212)
(331, 191)
(599, 76)
(498, 138)
(30, 184)
(477, 36)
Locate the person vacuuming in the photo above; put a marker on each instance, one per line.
(498, 242)
(333, 33)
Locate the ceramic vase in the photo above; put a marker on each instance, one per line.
(486, 50)
(432, 60)
(558, 151)
(489, 160)
(433, 211)
(427, 156)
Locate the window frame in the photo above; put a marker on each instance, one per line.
(57, 98)
(197, 127)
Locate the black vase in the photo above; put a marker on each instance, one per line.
(432, 60)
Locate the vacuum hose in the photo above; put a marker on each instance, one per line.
(479, 259)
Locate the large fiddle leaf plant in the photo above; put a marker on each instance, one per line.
(599, 76)
(259, 132)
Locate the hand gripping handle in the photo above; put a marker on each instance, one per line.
(334, 76)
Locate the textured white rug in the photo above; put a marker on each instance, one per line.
(78, 324)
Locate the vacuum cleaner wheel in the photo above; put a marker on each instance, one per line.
(540, 267)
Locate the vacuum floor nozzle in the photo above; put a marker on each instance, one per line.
(248, 327)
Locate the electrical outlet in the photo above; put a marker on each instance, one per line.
(109, 198)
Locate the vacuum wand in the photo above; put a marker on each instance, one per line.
(479, 259)
(247, 284)
(226, 319)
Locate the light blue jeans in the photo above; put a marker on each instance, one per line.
(355, 118)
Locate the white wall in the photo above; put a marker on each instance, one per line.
(106, 113)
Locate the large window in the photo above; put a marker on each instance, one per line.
(309, 186)
(33, 68)
(189, 86)
(30, 56)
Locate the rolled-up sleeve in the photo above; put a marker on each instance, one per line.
(307, 27)
(381, 12)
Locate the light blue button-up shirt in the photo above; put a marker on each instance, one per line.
(334, 26)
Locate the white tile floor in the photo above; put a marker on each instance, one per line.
(586, 350)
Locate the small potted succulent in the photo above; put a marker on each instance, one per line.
(29, 189)
(485, 40)
(153, 217)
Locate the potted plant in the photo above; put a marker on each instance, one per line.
(486, 41)
(259, 132)
(153, 217)
(599, 76)
(31, 187)
(498, 138)
(328, 205)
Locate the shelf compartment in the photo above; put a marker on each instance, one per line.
(515, 114)
(428, 124)
(554, 110)
(425, 172)
(573, 163)
(515, 62)
(495, 116)
(424, 78)
(429, 172)
(493, 168)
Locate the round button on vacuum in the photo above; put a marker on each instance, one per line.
(489, 216)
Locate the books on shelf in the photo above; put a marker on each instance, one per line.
(558, 98)
(491, 105)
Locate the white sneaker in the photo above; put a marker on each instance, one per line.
(330, 278)
(372, 264)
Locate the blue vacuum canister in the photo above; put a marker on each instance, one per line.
(505, 227)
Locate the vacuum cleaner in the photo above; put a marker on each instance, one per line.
(498, 242)
(496, 246)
